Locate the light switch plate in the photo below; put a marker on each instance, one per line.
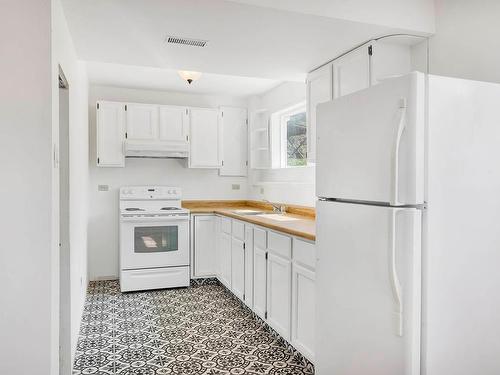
(102, 187)
(235, 186)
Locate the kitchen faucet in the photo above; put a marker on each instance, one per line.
(276, 207)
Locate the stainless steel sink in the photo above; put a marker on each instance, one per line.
(250, 212)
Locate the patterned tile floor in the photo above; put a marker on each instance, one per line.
(197, 330)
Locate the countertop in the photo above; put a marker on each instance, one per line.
(303, 225)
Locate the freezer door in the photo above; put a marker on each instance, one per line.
(370, 144)
(368, 290)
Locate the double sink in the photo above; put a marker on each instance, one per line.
(265, 214)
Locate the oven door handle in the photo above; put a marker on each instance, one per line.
(157, 219)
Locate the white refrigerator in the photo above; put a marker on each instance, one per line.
(408, 229)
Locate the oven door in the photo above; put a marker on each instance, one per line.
(151, 242)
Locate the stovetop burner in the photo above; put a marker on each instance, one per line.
(134, 209)
(169, 209)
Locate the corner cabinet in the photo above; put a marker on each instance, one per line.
(203, 252)
(206, 138)
(110, 134)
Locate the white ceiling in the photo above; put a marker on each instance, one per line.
(142, 77)
(415, 15)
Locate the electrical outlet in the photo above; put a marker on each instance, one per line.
(235, 186)
(262, 190)
(102, 187)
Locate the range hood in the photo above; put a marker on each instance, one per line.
(156, 149)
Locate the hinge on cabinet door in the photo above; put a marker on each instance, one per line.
(97, 160)
(125, 107)
(126, 135)
(186, 111)
(97, 105)
(244, 246)
(222, 114)
(370, 50)
(187, 137)
(222, 162)
(246, 163)
(243, 296)
(246, 121)
(265, 315)
(266, 255)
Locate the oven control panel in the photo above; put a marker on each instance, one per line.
(150, 193)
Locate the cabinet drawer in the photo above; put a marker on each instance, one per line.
(239, 230)
(304, 253)
(260, 238)
(226, 225)
(279, 244)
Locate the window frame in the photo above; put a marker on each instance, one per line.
(282, 123)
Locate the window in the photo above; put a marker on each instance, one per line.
(293, 130)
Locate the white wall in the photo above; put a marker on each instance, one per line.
(466, 40)
(26, 188)
(287, 185)
(63, 55)
(195, 183)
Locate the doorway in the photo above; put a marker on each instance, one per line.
(64, 243)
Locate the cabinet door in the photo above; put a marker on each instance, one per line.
(142, 121)
(225, 252)
(234, 141)
(204, 246)
(238, 268)
(279, 275)
(110, 131)
(205, 138)
(174, 122)
(303, 310)
(319, 90)
(260, 281)
(249, 266)
(351, 72)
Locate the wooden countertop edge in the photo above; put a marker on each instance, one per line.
(258, 221)
(224, 208)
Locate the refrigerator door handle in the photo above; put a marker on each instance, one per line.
(395, 153)
(393, 276)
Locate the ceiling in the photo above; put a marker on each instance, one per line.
(142, 77)
(244, 41)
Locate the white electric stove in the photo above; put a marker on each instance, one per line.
(154, 238)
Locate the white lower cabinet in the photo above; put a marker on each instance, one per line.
(225, 255)
(273, 274)
(303, 297)
(260, 281)
(248, 266)
(303, 310)
(279, 273)
(204, 246)
(238, 268)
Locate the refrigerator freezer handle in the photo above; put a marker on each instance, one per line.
(395, 153)
(393, 276)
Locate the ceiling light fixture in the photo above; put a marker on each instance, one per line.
(188, 76)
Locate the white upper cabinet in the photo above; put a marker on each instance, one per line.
(110, 129)
(174, 123)
(397, 55)
(319, 90)
(142, 121)
(234, 141)
(205, 133)
(351, 72)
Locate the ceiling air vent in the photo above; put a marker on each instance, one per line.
(186, 41)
